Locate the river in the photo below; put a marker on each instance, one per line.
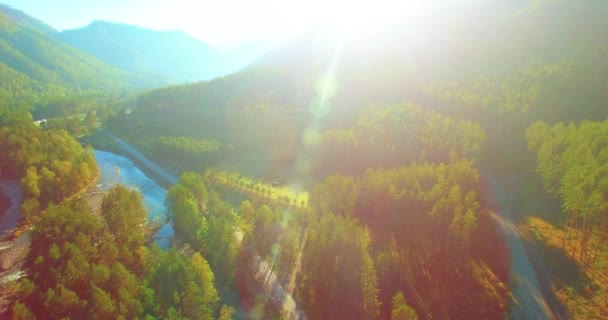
(115, 169)
(118, 169)
(8, 219)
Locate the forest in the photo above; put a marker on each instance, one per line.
(51, 164)
(572, 162)
(96, 265)
(99, 267)
(391, 178)
(406, 234)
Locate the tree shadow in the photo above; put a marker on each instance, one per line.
(562, 267)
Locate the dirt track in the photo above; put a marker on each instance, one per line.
(534, 296)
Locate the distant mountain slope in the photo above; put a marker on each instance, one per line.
(452, 41)
(173, 55)
(463, 45)
(25, 19)
(463, 41)
(35, 64)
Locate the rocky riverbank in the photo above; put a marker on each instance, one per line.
(12, 251)
(15, 242)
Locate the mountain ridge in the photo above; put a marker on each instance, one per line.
(173, 55)
(36, 65)
(26, 19)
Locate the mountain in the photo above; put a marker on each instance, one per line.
(174, 56)
(240, 56)
(450, 40)
(479, 59)
(34, 64)
(25, 19)
(456, 44)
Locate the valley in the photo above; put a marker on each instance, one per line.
(448, 161)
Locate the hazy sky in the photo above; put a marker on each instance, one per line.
(218, 22)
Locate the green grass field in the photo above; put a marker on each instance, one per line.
(283, 194)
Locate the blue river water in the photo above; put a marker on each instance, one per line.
(115, 169)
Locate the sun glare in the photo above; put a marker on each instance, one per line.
(365, 18)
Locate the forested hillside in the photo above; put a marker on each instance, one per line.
(85, 261)
(453, 166)
(392, 149)
(462, 73)
(35, 65)
(51, 164)
(27, 20)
